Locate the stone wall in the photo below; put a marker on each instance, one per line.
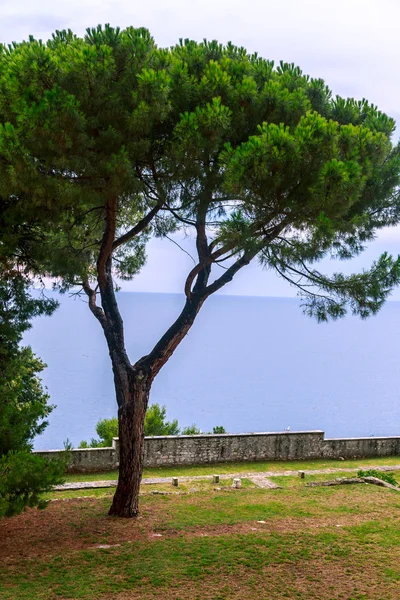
(364, 447)
(203, 449)
(206, 449)
(87, 460)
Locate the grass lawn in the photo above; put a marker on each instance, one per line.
(241, 467)
(192, 486)
(296, 542)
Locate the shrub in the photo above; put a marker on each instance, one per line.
(155, 424)
(106, 429)
(219, 429)
(24, 477)
(379, 475)
(191, 430)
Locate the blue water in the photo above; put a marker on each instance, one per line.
(248, 363)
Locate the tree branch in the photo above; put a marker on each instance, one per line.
(178, 217)
(106, 247)
(230, 272)
(201, 265)
(96, 310)
(180, 247)
(138, 228)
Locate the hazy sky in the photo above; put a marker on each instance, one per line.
(352, 44)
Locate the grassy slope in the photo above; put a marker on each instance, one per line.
(316, 543)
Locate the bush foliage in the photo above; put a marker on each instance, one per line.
(155, 424)
(24, 403)
(379, 475)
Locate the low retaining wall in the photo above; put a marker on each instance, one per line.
(363, 447)
(86, 460)
(205, 449)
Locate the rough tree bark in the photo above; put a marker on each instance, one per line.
(131, 414)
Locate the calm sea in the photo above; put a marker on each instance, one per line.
(248, 363)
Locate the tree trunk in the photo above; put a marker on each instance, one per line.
(132, 386)
(131, 416)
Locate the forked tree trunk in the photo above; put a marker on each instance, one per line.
(133, 382)
(131, 447)
(132, 385)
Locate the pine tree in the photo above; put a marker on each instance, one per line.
(119, 140)
(23, 402)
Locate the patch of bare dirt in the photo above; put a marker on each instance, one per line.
(83, 523)
(68, 526)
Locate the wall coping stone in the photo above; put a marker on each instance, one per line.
(227, 435)
(102, 448)
(370, 437)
